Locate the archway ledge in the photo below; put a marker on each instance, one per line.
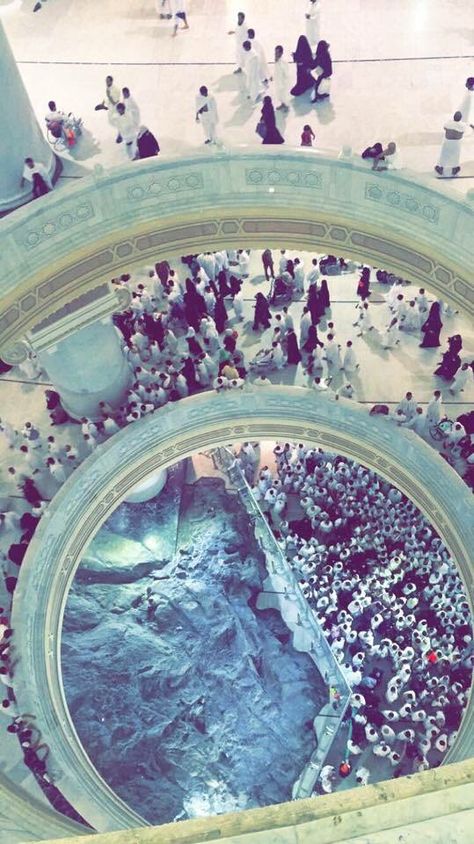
(69, 242)
(176, 431)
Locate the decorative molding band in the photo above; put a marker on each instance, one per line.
(97, 487)
(69, 242)
(408, 201)
(280, 176)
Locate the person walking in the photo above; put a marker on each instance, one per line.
(131, 106)
(127, 129)
(252, 72)
(450, 154)
(432, 328)
(206, 114)
(303, 58)
(267, 261)
(262, 59)
(466, 107)
(293, 354)
(240, 33)
(281, 77)
(111, 98)
(323, 71)
(37, 174)
(262, 312)
(313, 21)
(363, 285)
(271, 135)
(349, 363)
(178, 10)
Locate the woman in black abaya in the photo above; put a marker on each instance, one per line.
(324, 295)
(312, 340)
(293, 353)
(315, 303)
(432, 328)
(262, 313)
(194, 305)
(303, 58)
(323, 64)
(220, 314)
(271, 134)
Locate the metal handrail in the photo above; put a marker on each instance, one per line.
(332, 713)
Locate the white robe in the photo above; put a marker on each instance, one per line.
(131, 108)
(207, 262)
(460, 380)
(417, 424)
(313, 22)
(238, 303)
(450, 153)
(252, 72)
(434, 411)
(112, 97)
(281, 77)
(262, 59)
(240, 37)
(390, 336)
(208, 119)
(466, 106)
(412, 319)
(299, 277)
(350, 361)
(333, 354)
(126, 127)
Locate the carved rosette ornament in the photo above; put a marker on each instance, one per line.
(17, 353)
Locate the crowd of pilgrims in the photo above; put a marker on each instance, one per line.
(181, 333)
(388, 597)
(180, 336)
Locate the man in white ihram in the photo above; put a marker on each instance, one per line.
(450, 154)
(313, 14)
(206, 114)
(262, 59)
(240, 33)
(252, 72)
(127, 128)
(281, 77)
(131, 106)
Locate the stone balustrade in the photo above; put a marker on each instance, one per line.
(59, 253)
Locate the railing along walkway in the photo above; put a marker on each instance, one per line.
(283, 592)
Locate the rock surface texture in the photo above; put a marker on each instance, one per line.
(188, 700)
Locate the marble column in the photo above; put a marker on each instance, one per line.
(20, 133)
(87, 367)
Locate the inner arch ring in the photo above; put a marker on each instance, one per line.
(173, 433)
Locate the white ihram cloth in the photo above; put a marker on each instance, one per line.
(466, 106)
(262, 59)
(207, 118)
(281, 77)
(252, 72)
(313, 21)
(451, 147)
(240, 37)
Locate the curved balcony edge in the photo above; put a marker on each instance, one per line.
(63, 246)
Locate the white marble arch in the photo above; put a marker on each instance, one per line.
(58, 253)
(176, 431)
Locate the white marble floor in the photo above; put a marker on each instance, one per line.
(399, 71)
